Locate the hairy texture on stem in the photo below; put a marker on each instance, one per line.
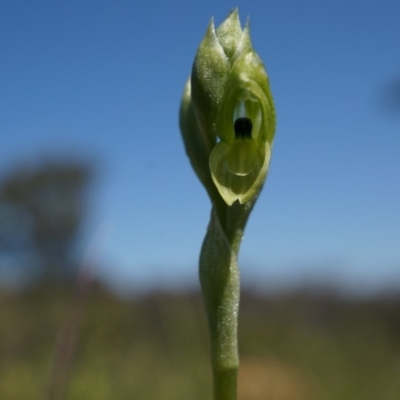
(220, 283)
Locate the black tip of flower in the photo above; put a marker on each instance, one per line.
(243, 127)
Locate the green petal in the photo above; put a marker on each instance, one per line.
(209, 74)
(242, 157)
(229, 33)
(234, 187)
(247, 89)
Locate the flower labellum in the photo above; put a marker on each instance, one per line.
(229, 98)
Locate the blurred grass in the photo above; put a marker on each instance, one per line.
(298, 346)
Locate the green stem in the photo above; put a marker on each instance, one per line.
(219, 277)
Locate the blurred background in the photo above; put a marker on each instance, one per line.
(102, 218)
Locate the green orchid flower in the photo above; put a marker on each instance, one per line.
(245, 126)
(233, 109)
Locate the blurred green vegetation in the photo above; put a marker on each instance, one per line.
(302, 345)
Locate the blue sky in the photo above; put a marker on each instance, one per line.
(103, 80)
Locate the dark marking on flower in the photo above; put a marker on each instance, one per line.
(243, 127)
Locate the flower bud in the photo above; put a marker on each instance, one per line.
(228, 104)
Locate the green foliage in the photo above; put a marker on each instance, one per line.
(293, 347)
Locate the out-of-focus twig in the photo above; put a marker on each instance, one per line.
(68, 334)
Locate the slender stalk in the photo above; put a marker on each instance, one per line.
(220, 282)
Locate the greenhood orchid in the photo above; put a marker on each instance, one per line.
(232, 105)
